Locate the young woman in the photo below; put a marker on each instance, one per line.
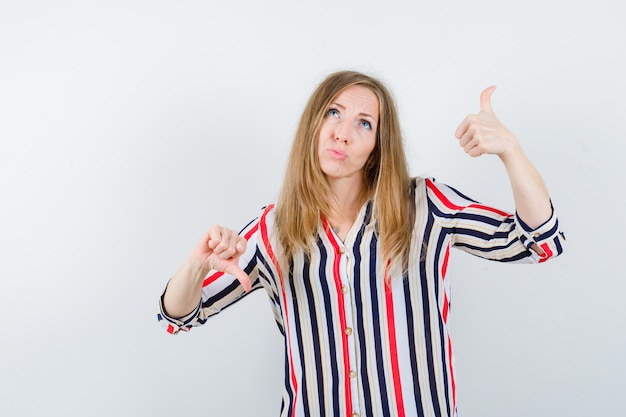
(354, 255)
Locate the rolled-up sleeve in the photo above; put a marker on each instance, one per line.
(173, 325)
(548, 237)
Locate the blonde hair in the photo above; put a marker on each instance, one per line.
(304, 196)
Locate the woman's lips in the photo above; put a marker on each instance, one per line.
(335, 154)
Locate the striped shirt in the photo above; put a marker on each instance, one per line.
(355, 344)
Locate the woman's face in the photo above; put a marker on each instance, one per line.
(348, 134)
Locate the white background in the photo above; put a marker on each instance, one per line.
(128, 127)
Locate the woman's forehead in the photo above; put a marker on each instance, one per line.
(359, 98)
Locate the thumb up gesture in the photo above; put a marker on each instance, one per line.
(483, 133)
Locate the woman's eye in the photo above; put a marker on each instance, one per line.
(367, 125)
(332, 113)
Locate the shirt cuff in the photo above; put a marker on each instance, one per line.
(541, 233)
(547, 236)
(174, 325)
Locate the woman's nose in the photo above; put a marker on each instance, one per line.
(342, 131)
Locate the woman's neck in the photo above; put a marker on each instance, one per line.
(347, 201)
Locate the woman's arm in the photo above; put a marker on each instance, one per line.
(491, 233)
(483, 133)
(219, 250)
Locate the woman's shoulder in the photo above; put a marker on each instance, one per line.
(430, 184)
(267, 213)
(426, 182)
(439, 192)
(264, 217)
(268, 208)
(421, 184)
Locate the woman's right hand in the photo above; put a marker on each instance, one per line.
(219, 250)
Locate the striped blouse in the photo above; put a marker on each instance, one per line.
(355, 345)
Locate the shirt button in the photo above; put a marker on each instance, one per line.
(345, 289)
(348, 331)
(355, 414)
(353, 374)
(342, 250)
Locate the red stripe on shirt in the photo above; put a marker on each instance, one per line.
(266, 239)
(268, 246)
(393, 347)
(444, 314)
(444, 269)
(547, 252)
(342, 315)
(212, 277)
(453, 206)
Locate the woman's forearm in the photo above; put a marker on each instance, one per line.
(184, 290)
(532, 201)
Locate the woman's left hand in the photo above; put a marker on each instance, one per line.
(483, 133)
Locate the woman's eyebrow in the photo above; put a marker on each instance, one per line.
(342, 107)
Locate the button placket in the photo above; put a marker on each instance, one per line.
(346, 290)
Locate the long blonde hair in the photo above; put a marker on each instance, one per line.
(304, 196)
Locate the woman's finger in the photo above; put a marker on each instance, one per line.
(485, 99)
(241, 276)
